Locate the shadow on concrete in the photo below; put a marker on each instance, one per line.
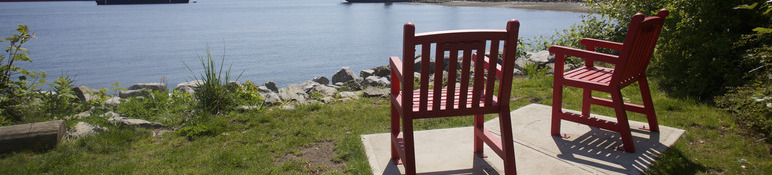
(598, 148)
(480, 166)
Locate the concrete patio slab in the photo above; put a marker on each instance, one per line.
(588, 150)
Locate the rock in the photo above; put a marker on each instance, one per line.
(271, 98)
(375, 92)
(80, 115)
(325, 91)
(350, 94)
(114, 101)
(344, 75)
(190, 87)
(352, 85)
(83, 129)
(135, 93)
(150, 86)
(85, 94)
(542, 57)
(326, 99)
(322, 80)
(377, 81)
(366, 73)
(263, 89)
(418, 64)
(110, 114)
(272, 86)
(293, 93)
(308, 85)
(382, 71)
(123, 120)
(247, 108)
(521, 63)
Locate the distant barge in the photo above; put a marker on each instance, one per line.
(109, 2)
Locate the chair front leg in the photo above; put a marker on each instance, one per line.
(507, 142)
(557, 100)
(586, 102)
(409, 159)
(478, 142)
(394, 131)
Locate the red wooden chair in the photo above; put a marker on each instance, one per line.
(454, 97)
(629, 67)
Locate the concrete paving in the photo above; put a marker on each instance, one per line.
(588, 150)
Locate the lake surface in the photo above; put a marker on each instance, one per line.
(285, 41)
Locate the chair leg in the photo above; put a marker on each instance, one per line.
(557, 112)
(478, 142)
(407, 135)
(586, 102)
(623, 126)
(507, 142)
(394, 131)
(648, 105)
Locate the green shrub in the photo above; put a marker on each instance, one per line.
(61, 100)
(161, 106)
(751, 105)
(249, 95)
(213, 95)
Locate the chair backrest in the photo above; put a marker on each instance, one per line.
(638, 47)
(465, 51)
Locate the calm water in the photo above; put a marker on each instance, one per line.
(286, 41)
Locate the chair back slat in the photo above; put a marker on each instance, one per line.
(638, 47)
(468, 84)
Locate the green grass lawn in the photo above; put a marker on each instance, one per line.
(275, 140)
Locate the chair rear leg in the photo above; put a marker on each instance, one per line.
(407, 135)
(394, 131)
(557, 112)
(507, 142)
(623, 126)
(478, 142)
(648, 105)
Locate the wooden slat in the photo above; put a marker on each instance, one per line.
(478, 77)
(425, 59)
(491, 80)
(452, 71)
(465, 66)
(439, 61)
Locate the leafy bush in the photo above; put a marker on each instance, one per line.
(249, 95)
(751, 105)
(61, 101)
(162, 106)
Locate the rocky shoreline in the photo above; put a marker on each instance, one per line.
(553, 5)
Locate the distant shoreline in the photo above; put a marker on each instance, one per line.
(556, 5)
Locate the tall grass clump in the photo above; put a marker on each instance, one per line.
(213, 96)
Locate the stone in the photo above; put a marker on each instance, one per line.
(418, 64)
(322, 80)
(123, 120)
(366, 73)
(344, 75)
(382, 71)
(325, 91)
(288, 107)
(190, 87)
(326, 99)
(293, 93)
(542, 57)
(376, 92)
(272, 86)
(350, 94)
(352, 85)
(271, 98)
(114, 101)
(110, 114)
(247, 108)
(135, 93)
(263, 89)
(83, 129)
(308, 85)
(150, 86)
(83, 114)
(85, 94)
(377, 81)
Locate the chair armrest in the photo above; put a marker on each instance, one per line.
(396, 68)
(591, 43)
(561, 51)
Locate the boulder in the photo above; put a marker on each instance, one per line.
(382, 71)
(190, 87)
(85, 94)
(542, 57)
(80, 115)
(271, 86)
(293, 93)
(326, 99)
(377, 81)
(366, 73)
(247, 108)
(83, 129)
(418, 64)
(344, 75)
(135, 93)
(114, 101)
(123, 120)
(308, 85)
(322, 80)
(375, 92)
(351, 85)
(350, 94)
(326, 91)
(270, 98)
(263, 89)
(150, 86)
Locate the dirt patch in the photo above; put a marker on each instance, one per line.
(317, 155)
(554, 6)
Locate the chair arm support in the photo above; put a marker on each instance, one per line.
(486, 62)
(561, 51)
(591, 43)
(396, 68)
